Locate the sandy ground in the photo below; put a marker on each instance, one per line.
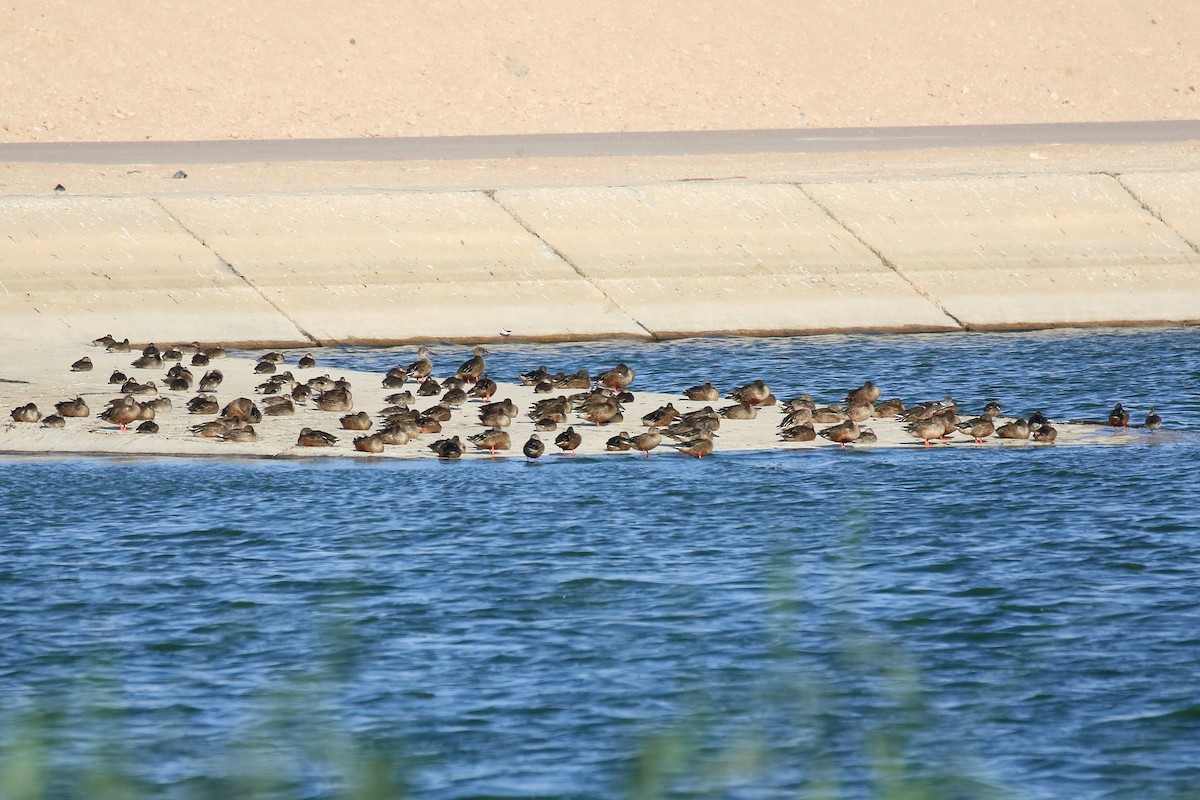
(113, 70)
(50, 381)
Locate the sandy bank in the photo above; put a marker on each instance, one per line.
(50, 380)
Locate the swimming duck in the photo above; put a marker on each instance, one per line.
(121, 412)
(492, 439)
(534, 448)
(357, 422)
(568, 440)
(421, 368)
(978, 428)
(799, 433)
(448, 448)
(1153, 421)
(1017, 429)
(82, 365)
(307, 361)
(927, 429)
(705, 393)
(54, 421)
(646, 442)
(73, 408)
(311, 438)
(616, 378)
(696, 448)
(1118, 417)
(473, 367)
(843, 433)
(369, 444)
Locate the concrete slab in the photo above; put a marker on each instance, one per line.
(1174, 196)
(1026, 251)
(72, 269)
(688, 259)
(395, 267)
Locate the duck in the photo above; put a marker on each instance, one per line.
(148, 361)
(203, 404)
(534, 376)
(1046, 434)
(484, 388)
(473, 367)
(860, 410)
(82, 365)
(889, 408)
(116, 378)
(215, 353)
(978, 428)
(400, 398)
(534, 447)
(421, 368)
(448, 448)
(357, 422)
(395, 378)
(106, 340)
(601, 412)
(546, 424)
(279, 407)
(119, 347)
(704, 392)
(149, 426)
(751, 394)
(1118, 417)
(867, 393)
(800, 416)
(313, 438)
(211, 380)
(242, 408)
(696, 448)
(396, 433)
(740, 411)
(172, 354)
(213, 429)
(1153, 421)
(1017, 429)
(646, 442)
(73, 408)
(121, 412)
(454, 398)
(133, 387)
(661, 416)
(576, 380)
(799, 433)
(867, 436)
(843, 433)
(307, 361)
(429, 388)
(492, 439)
(264, 368)
(618, 443)
(439, 411)
(568, 440)
(199, 360)
(335, 399)
(54, 421)
(992, 409)
(616, 378)
(160, 404)
(246, 434)
(927, 429)
(372, 443)
(495, 417)
(302, 394)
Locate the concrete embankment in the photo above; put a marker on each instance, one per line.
(653, 259)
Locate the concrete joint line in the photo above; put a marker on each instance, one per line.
(234, 271)
(491, 193)
(1152, 211)
(887, 262)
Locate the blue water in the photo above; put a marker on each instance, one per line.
(955, 622)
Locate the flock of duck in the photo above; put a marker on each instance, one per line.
(573, 399)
